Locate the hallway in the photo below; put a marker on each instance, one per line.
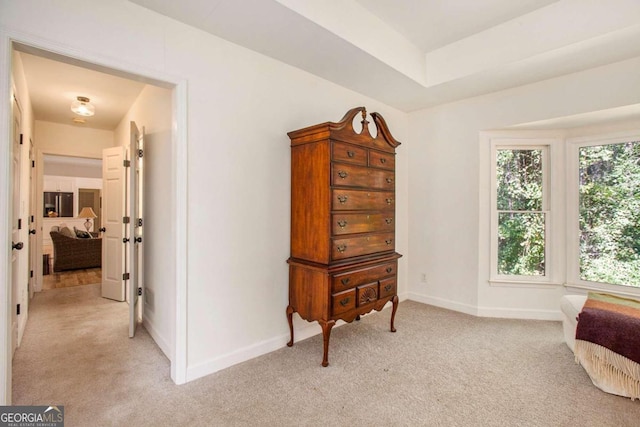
(76, 353)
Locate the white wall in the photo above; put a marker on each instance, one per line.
(447, 217)
(240, 107)
(153, 111)
(56, 138)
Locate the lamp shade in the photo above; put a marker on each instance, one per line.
(82, 107)
(87, 213)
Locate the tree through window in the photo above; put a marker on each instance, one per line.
(609, 213)
(521, 211)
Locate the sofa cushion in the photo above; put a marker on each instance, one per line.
(66, 231)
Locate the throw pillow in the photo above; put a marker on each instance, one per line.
(81, 234)
(66, 231)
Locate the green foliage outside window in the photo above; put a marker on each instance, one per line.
(609, 186)
(521, 224)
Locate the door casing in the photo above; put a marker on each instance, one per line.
(9, 37)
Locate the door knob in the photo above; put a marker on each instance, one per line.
(102, 229)
(17, 246)
(32, 231)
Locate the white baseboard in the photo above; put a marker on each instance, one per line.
(246, 353)
(499, 312)
(302, 330)
(157, 337)
(519, 313)
(444, 303)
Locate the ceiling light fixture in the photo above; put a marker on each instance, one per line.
(83, 107)
(78, 120)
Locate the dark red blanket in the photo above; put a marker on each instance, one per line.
(612, 322)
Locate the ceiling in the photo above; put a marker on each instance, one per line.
(53, 85)
(409, 54)
(436, 23)
(414, 54)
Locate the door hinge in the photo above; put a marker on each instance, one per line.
(19, 223)
(32, 218)
(126, 163)
(21, 135)
(18, 310)
(126, 219)
(139, 291)
(33, 163)
(140, 153)
(125, 276)
(139, 222)
(31, 273)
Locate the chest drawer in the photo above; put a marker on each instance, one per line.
(343, 301)
(382, 160)
(388, 287)
(351, 279)
(362, 245)
(362, 223)
(367, 294)
(361, 176)
(362, 200)
(349, 153)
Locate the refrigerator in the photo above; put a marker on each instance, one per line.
(59, 202)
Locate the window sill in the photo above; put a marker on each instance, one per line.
(523, 283)
(626, 291)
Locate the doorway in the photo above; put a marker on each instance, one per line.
(176, 149)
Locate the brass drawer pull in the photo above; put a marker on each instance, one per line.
(389, 180)
(341, 248)
(342, 199)
(389, 269)
(388, 241)
(342, 174)
(388, 220)
(388, 288)
(389, 201)
(345, 301)
(345, 281)
(382, 160)
(350, 153)
(342, 223)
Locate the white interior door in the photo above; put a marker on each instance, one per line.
(114, 191)
(33, 253)
(16, 242)
(136, 244)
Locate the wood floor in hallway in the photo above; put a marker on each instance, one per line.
(66, 279)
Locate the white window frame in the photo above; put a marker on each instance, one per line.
(553, 195)
(573, 226)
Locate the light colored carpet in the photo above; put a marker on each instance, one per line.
(441, 368)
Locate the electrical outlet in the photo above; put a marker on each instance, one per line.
(423, 277)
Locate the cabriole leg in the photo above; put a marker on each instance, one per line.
(326, 333)
(290, 319)
(394, 301)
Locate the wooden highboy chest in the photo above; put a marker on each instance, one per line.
(343, 262)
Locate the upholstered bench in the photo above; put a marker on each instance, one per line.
(609, 340)
(571, 306)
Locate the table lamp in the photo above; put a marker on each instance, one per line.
(89, 214)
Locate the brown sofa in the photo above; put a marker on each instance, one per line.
(72, 253)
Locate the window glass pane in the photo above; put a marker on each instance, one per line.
(521, 244)
(609, 187)
(519, 174)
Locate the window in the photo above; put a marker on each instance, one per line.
(607, 182)
(520, 210)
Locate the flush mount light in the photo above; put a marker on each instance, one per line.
(83, 107)
(78, 120)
